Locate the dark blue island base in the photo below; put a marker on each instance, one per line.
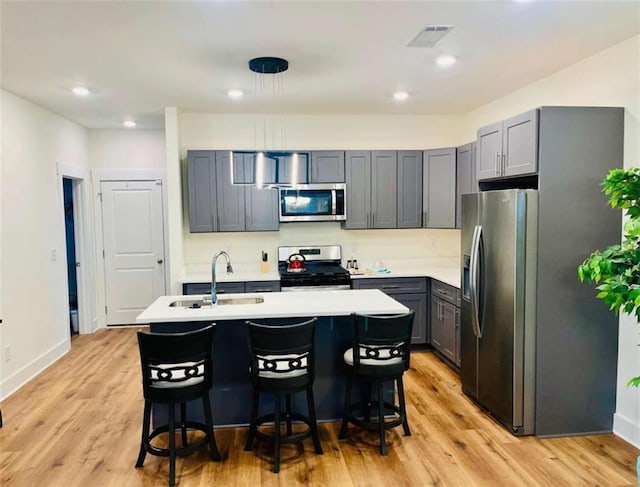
(231, 393)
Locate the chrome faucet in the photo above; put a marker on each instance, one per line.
(214, 294)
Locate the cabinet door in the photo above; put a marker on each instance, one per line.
(457, 349)
(520, 144)
(384, 189)
(229, 197)
(294, 168)
(409, 189)
(327, 167)
(439, 188)
(418, 303)
(262, 286)
(465, 177)
(449, 331)
(201, 169)
(489, 151)
(261, 204)
(358, 193)
(437, 324)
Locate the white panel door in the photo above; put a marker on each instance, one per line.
(132, 220)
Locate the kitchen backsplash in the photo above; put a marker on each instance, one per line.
(368, 246)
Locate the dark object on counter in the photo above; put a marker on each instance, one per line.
(176, 368)
(282, 362)
(380, 353)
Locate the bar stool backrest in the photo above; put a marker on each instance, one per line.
(176, 365)
(281, 356)
(382, 341)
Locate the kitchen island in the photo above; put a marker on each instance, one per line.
(231, 394)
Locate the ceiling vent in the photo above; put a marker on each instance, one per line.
(430, 35)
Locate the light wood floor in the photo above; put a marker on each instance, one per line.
(78, 424)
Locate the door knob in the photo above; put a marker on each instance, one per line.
(159, 261)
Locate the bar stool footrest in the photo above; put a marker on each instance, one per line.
(181, 451)
(284, 438)
(359, 407)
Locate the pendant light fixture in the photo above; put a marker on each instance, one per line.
(273, 165)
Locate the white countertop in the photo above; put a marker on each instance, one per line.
(444, 269)
(276, 305)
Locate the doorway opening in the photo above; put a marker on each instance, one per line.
(70, 234)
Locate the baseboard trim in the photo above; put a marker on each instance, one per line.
(627, 430)
(14, 382)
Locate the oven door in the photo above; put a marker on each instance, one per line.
(313, 202)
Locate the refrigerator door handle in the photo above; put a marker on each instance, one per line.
(473, 284)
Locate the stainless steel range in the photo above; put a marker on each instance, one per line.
(312, 268)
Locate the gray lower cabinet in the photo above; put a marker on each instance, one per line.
(465, 176)
(262, 286)
(409, 189)
(508, 148)
(445, 320)
(410, 291)
(439, 188)
(231, 287)
(216, 205)
(205, 288)
(327, 167)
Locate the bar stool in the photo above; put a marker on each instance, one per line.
(282, 363)
(380, 353)
(176, 368)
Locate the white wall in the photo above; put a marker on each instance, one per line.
(610, 78)
(34, 291)
(127, 149)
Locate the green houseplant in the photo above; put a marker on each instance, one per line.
(616, 269)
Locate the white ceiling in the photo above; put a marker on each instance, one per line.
(345, 57)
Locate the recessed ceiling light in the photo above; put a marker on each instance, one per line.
(80, 90)
(400, 95)
(235, 93)
(445, 60)
(129, 123)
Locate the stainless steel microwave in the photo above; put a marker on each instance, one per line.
(313, 202)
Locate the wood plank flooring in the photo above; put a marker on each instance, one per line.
(78, 424)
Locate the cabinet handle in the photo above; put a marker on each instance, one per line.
(498, 163)
(390, 287)
(504, 164)
(373, 220)
(262, 290)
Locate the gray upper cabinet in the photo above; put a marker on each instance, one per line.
(358, 192)
(327, 167)
(216, 205)
(409, 189)
(384, 189)
(439, 188)
(465, 176)
(229, 197)
(508, 148)
(201, 172)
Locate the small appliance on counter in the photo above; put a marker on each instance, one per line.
(312, 268)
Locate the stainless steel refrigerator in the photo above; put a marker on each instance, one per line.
(499, 248)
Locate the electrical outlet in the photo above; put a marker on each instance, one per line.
(53, 255)
(7, 353)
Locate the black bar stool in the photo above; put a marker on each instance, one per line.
(282, 363)
(381, 352)
(176, 368)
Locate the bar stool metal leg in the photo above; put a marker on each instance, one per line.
(311, 405)
(145, 433)
(214, 453)
(347, 408)
(288, 415)
(183, 426)
(276, 445)
(172, 446)
(383, 443)
(403, 408)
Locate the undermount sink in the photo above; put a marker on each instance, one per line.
(202, 303)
